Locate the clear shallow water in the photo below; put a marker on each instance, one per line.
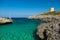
(21, 29)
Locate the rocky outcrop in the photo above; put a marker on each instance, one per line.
(44, 16)
(5, 21)
(49, 29)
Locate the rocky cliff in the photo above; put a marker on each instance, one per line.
(49, 29)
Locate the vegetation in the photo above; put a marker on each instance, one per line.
(51, 13)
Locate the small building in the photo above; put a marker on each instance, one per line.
(51, 9)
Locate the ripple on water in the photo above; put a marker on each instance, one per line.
(21, 29)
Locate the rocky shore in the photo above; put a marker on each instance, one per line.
(50, 28)
(5, 21)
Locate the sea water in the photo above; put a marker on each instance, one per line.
(20, 29)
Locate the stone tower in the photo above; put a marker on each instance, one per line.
(51, 9)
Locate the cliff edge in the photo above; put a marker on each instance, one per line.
(49, 29)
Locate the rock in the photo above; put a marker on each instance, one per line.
(5, 21)
(49, 29)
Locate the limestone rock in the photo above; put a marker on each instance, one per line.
(5, 21)
(49, 29)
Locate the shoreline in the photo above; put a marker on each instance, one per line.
(5, 21)
(50, 28)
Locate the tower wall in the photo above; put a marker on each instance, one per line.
(51, 9)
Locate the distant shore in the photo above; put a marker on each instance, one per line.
(5, 21)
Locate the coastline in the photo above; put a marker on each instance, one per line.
(50, 28)
(5, 21)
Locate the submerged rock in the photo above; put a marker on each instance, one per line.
(49, 29)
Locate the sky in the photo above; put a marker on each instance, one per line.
(25, 8)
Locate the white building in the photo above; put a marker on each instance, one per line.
(51, 9)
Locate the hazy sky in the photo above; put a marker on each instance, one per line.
(25, 8)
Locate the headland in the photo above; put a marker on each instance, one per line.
(49, 29)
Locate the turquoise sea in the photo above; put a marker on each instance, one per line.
(20, 29)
